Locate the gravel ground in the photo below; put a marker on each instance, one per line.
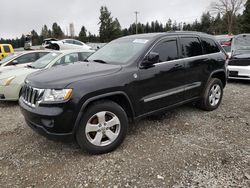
(186, 147)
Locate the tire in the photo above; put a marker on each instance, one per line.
(105, 137)
(55, 47)
(212, 96)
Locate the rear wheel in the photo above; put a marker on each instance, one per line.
(55, 47)
(212, 95)
(103, 128)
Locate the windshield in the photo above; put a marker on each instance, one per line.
(8, 58)
(242, 43)
(119, 51)
(45, 60)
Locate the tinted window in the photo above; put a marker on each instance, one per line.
(167, 50)
(209, 46)
(191, 46)
(69, 41)
(6, 49)
(77, 43)
(27, 58)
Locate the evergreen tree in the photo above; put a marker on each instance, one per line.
(246, 18)
(45, 32)
(82, 35)
(35, 38)
(57, 31)
(205, 23)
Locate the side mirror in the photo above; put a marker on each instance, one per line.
(151, 59)
(15, 62)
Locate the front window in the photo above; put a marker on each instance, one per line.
(167, 50)
(26, 58)
(45, 60)
(119, 51)
(67, 59)
(8, 58)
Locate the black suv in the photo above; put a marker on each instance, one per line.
(128, 79)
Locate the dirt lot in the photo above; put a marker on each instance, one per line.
(184, 148)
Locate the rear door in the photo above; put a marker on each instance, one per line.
(162, 85)
(196, 65)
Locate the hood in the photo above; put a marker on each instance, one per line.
(245, 55)
(18, 71)
(63, 75)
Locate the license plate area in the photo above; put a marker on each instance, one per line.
(233, 73)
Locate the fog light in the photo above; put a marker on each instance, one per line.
(48, 123)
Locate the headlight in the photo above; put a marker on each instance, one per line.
(54, 95)
(8, 81)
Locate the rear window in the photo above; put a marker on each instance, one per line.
(191, 46)
(209, 46)
(6, 49)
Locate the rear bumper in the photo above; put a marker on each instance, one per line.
(239, 72)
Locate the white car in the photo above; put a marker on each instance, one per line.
(66, 44)
(12, 81)
(20, 59)
(239, 63)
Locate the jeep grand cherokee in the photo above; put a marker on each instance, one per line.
(128, 79)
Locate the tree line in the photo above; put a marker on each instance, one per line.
(227, 20)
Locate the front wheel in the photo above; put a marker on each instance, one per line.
(102, 128)
(212, 96)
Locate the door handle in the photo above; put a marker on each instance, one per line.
(177, 66)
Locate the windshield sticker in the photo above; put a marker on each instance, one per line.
(54, 54)
(141, 41)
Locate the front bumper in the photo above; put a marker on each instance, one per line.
(54, 122)
(10, 93)
(239, 72)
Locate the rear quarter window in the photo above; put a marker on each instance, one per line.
(191, 46)
(209, 46)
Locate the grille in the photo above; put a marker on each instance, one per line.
(239, 62)
(31, 96)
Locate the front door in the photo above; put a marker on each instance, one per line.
(162, 85)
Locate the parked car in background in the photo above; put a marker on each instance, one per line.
(12, 81)
(66, 44)
(226, 42)
(239, 64)
(20, 59)
(46, 42)
(129, 78)
(5, 50)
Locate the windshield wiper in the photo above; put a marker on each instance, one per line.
(100, 61)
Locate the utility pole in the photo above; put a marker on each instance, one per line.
(136, 20)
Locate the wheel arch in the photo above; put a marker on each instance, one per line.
(221, 75)
(119, 97)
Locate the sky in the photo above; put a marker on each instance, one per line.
(19, 17)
